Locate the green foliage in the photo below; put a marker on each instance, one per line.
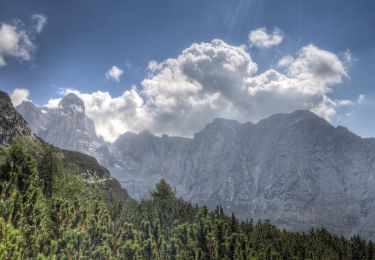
(3, 154)
(12, 243)
(163, 191)
(49, 166)
(47, 211)
(80, 163)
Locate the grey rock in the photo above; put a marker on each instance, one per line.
(12, 125)
(294, 169)
(66, 127)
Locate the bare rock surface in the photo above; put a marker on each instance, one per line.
(12, 125)
(294, 169)
(66, 127)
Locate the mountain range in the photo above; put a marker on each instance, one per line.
(14, 129)
(295, 169)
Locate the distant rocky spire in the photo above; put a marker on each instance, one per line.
(72, 103)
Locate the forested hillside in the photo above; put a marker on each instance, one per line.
(47, 210)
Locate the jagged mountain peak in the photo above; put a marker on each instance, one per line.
(298, 117)
(222, 123)
(27, 103)
(72, 103)
(66, 126)
(292, 116)
(146, 133)
(293, 168)
(28, 106)
(219, 126)
(303, 113)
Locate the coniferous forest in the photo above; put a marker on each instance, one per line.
(49, 211)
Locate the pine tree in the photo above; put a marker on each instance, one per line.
(74, 220)
(163, 191)
(49, 166)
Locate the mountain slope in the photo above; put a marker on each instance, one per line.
(12, 125)
(295, 169)
(15, 130)
(73, 220)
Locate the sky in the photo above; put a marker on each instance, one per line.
(173, 66)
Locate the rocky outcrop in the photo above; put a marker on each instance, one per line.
(12, 125)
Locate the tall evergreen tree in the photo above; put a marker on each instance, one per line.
(162, 191)
(48, 167)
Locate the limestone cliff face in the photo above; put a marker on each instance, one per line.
(12, 125)
(66, 126)
(295, 169)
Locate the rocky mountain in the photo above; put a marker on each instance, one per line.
(12, 125)
(58, 204)
(294, 169)
(66, 127)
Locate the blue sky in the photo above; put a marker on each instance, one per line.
(83, 39)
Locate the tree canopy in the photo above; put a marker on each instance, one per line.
(162, 191)
(46, 212)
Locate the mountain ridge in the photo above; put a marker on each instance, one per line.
(14, 129)
(293, 168)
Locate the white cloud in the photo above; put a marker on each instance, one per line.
(114, 73)
(309, 78)
(347, 57)
(262, 39)
(18, 95)
(311, 74)
(53, 103)
(39, 22)
(206, 80)
(181, 95)
(14, 42)
(113, 115)
(360, 99)
(316, 66)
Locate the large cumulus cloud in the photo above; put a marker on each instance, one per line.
(208, 80)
